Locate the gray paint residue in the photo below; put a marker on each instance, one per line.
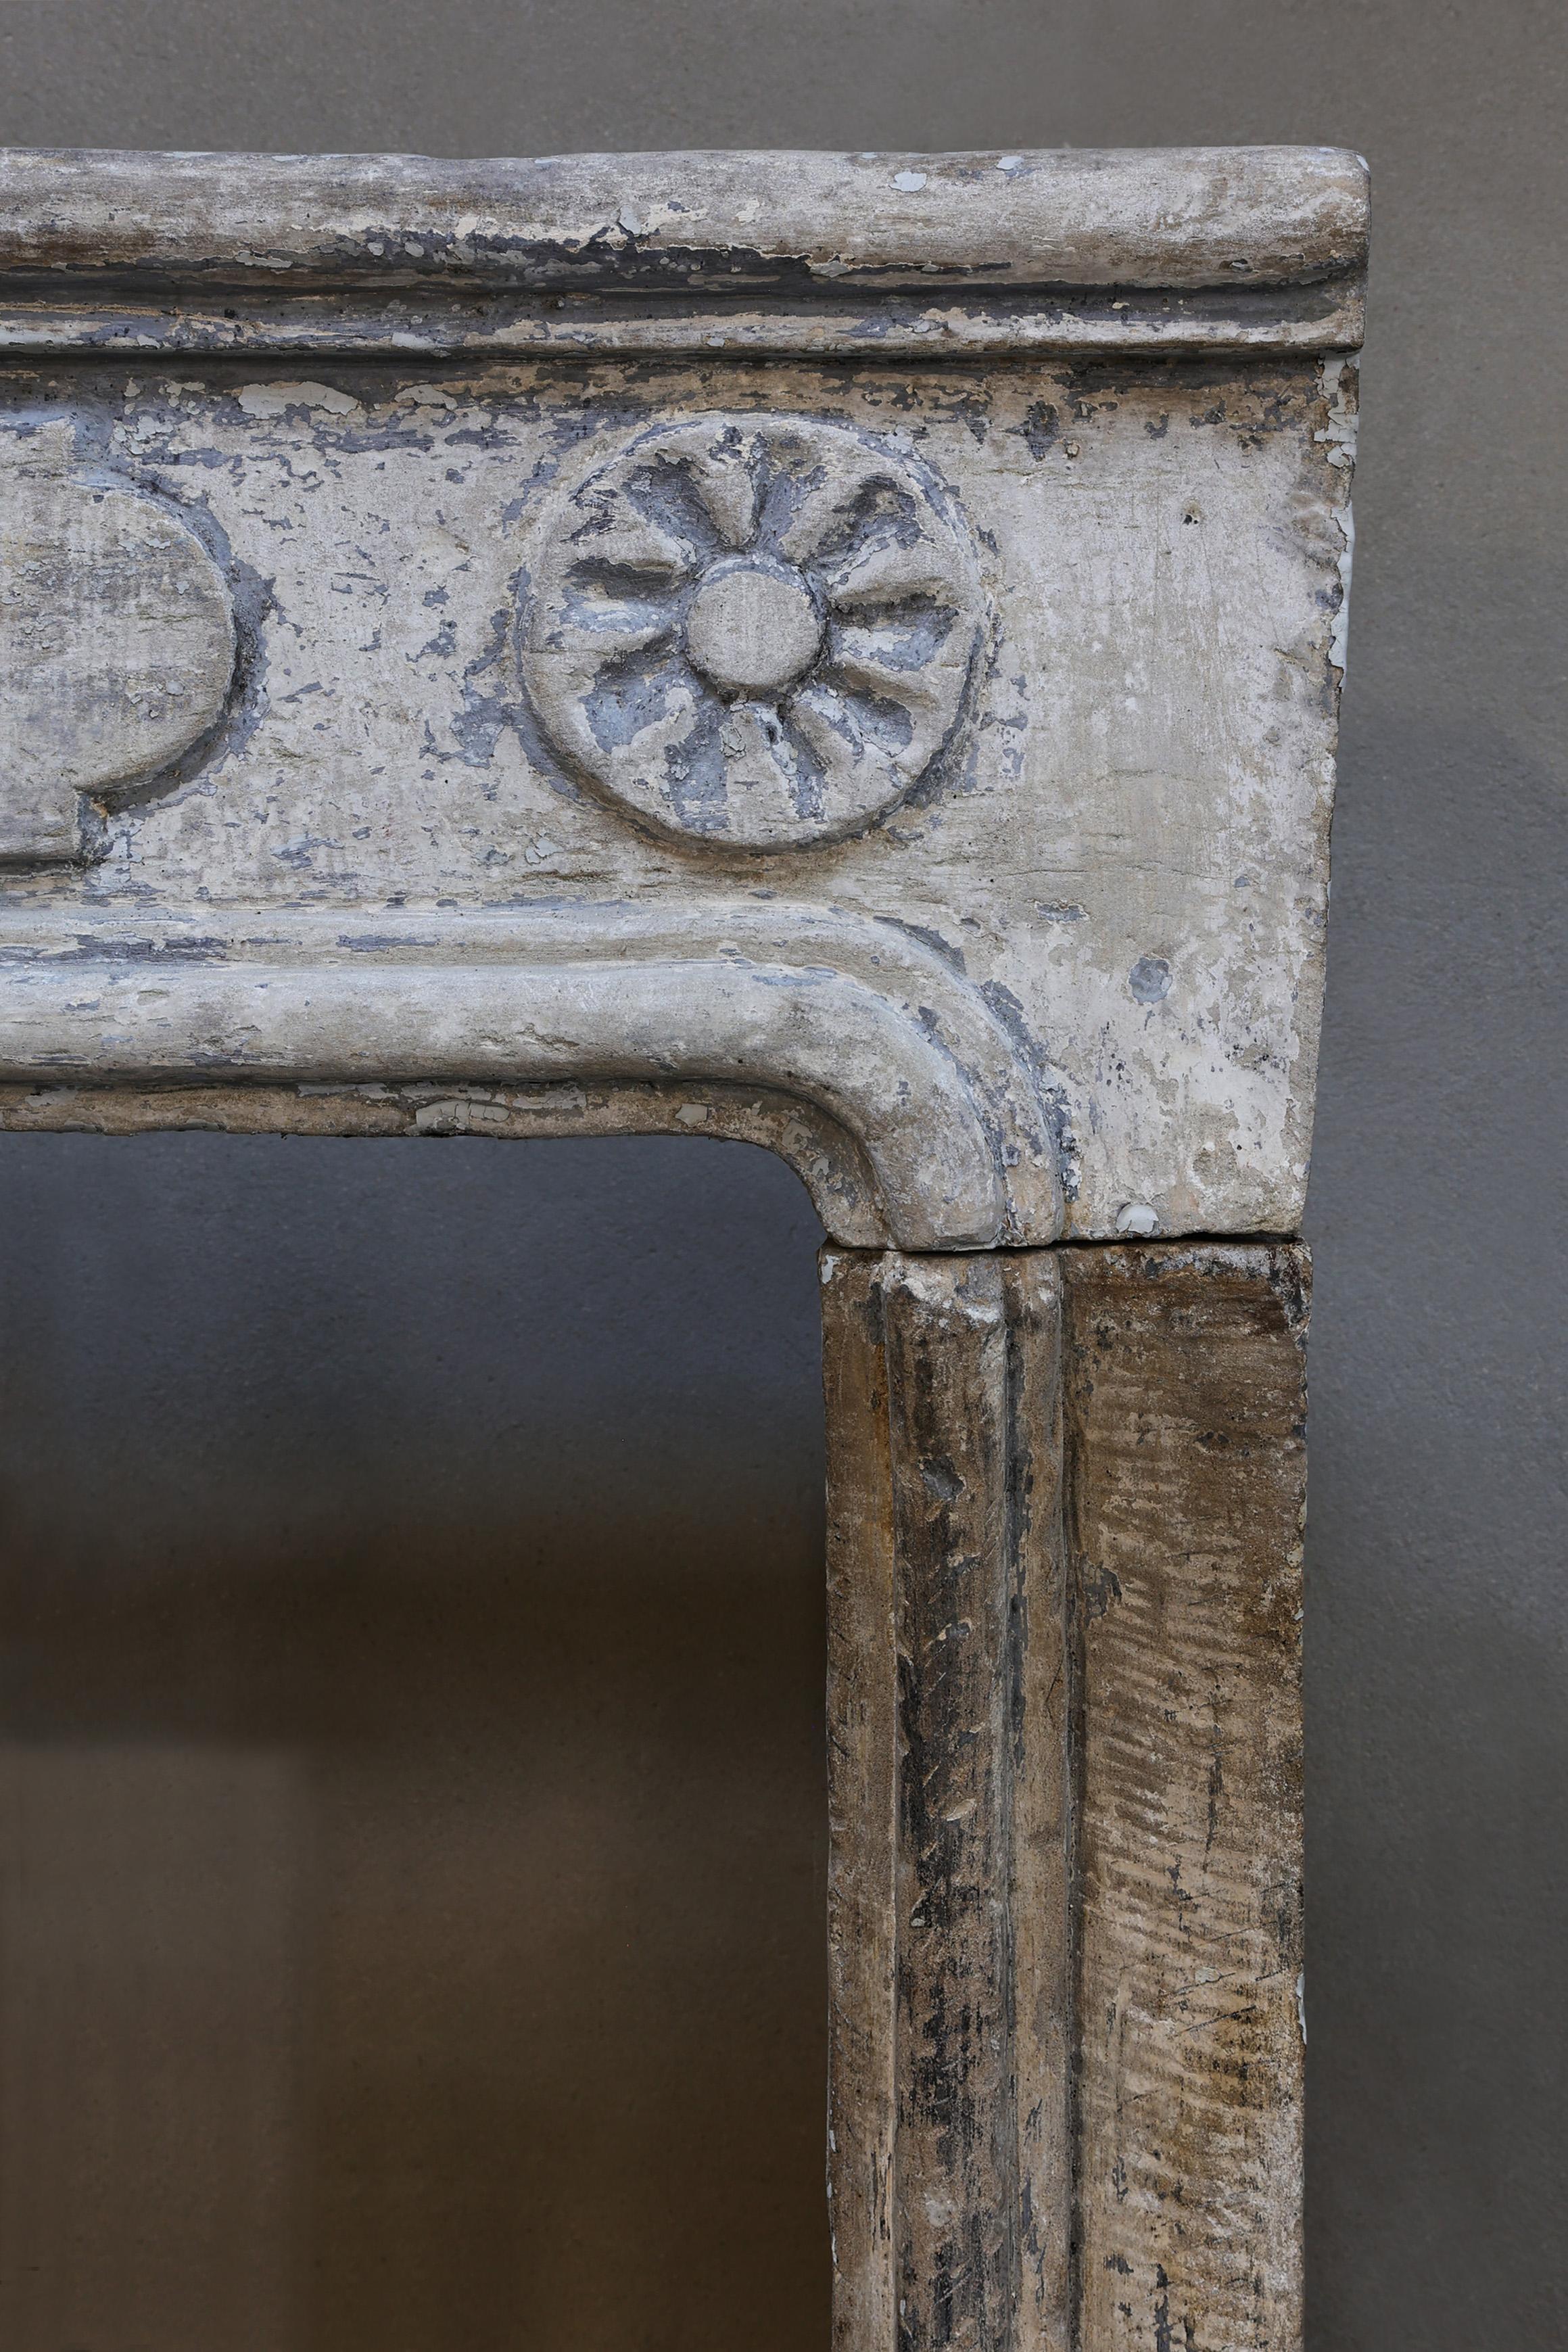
(1150, 978)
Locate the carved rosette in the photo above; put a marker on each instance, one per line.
(752, 632)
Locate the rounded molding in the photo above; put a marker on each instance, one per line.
(752, 632)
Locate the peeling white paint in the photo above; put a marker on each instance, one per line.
(1137, 1220)
(277, 399)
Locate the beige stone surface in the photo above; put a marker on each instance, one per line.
(1104, 873)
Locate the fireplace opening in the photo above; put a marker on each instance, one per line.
(413, 1837)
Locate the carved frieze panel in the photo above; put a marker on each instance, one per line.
(1083, 767)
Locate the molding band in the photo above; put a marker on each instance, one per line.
(859, 1018)
(817, 1034)
(1182, 249)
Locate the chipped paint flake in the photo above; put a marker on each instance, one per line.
(280, 399)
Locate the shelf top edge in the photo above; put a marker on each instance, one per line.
(80, 221)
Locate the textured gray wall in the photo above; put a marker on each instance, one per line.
(251, 1390)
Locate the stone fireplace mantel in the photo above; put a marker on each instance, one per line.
(841, 652)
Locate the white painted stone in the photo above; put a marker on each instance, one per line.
(1028, 902)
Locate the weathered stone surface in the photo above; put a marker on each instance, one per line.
(1184, 250)
(1102, 829)
(1170, 217)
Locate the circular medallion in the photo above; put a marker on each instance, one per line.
(752, 631)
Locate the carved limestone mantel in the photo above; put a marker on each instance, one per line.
(841, 652)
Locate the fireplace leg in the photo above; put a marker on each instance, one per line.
(1064, 1512)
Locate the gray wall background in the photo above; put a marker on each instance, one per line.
(436, 1534)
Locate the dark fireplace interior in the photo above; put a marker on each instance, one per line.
(414, 1826)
